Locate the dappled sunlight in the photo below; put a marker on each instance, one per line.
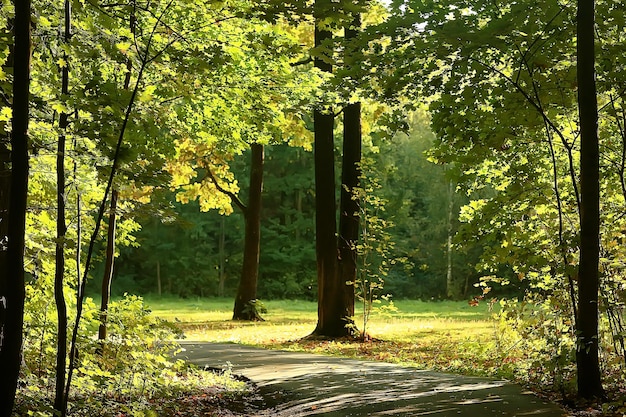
(334, 387)
(438, 335)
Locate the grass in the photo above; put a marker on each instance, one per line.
(445, 336)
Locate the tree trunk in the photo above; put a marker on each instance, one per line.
(108, 269)
(331, 313)
(13, 298)
(450, 291)
(350, 181)
(246, 292)
(5, 188)
(587, 362)
(158, 272)
(59, 275)
(222, 258)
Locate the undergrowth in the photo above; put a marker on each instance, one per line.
(131, 374)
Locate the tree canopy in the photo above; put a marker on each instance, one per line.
(421, 149)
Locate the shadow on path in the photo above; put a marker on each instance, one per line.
(314, 385)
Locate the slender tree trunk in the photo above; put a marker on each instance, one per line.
(108, 269)
(222, 257)
(298, 213)
(451, 293)
(12, 300)
(350, 181)
(158, 273)
(110, 251)
(246, 292)
(59, 276)
(589, 377)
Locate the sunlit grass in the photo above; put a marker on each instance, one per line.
(447, 336)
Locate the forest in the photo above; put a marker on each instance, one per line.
(344, 152)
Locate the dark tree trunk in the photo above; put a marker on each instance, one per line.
(5, 188)
(12, 300)
(59, 275)
(108, 270)
(110, 251)
(246, 292)
(589, 377)
(350, 181)
(331, 312)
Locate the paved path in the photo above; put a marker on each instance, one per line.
(315, 385)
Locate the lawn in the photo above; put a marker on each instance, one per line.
(445, 336)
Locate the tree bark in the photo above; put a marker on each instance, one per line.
(350, 180)
(5, 188)
(246, 292)
(59, 276)
(12, 300)
(450, 290)
(331, 314)
(587, 362)
(108, 269)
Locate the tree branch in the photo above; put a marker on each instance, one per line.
(230, 194)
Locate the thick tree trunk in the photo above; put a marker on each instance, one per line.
(589, 377)
(349, 206)
(246, 292)
(108, 269)
(12, 300)
(5, 188)
(350, 181)
(330, 309)
(331, 312)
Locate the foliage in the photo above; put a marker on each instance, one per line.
(255, 308)
(501, 83)
(132, 373)
(374, 248)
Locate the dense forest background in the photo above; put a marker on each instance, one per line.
(186, 252)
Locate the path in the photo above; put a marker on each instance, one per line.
(315, 385)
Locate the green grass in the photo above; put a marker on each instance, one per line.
(446, 336)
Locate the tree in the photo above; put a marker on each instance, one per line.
(488, 65)
(589, 378)
(246, 297)
(12, 285)
(105, 291)
(59, 275)
(349, 211)
(229, 121)
(332, 311)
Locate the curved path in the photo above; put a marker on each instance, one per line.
(304, 384)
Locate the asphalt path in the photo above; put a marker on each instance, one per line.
(302, 384)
